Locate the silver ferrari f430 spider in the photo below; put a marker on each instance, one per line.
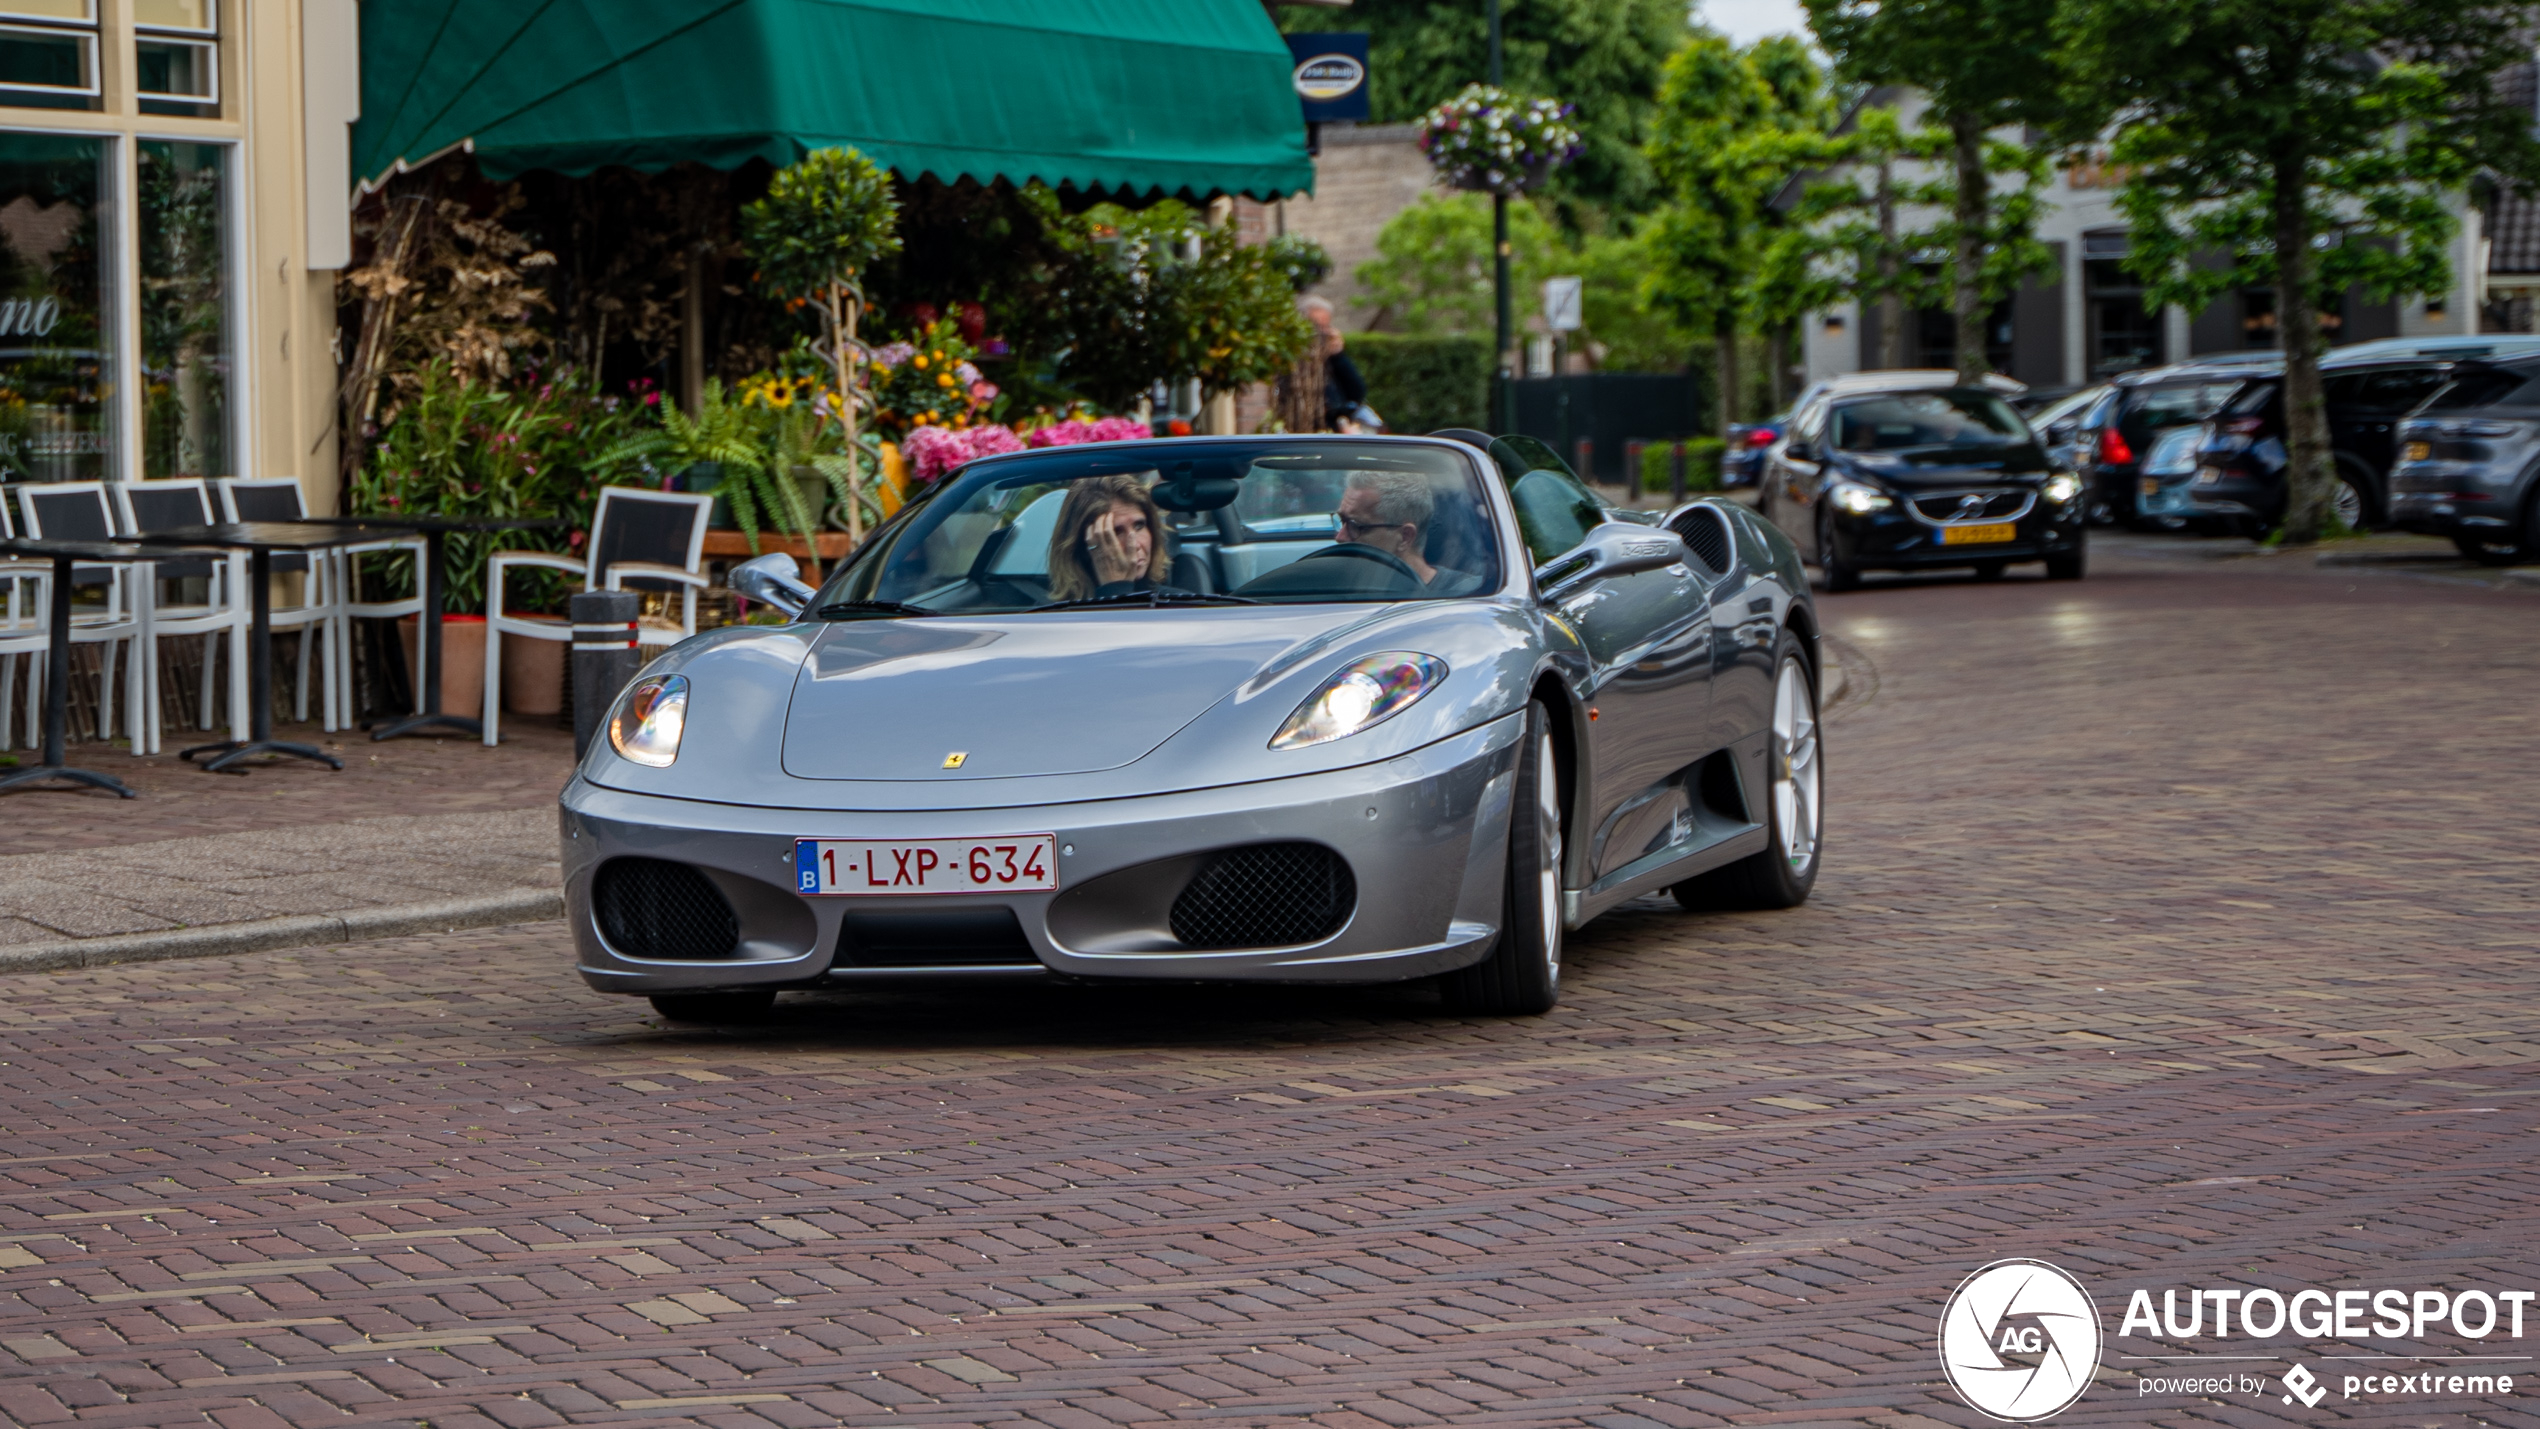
(1298, 709)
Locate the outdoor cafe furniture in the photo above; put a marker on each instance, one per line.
(81, 511)
(640, 540)
(430, 583)
(325, 597)
(57, 654)
(261, 540)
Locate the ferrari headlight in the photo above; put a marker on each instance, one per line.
(1859, 500)
(1361, 697)
(2063, 486)
(650, 719)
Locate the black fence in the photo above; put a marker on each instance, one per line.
(1591, 418)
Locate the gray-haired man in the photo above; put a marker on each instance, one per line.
(1391, 510)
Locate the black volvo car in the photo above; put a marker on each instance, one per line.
(1909, 471)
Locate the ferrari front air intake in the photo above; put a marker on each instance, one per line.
(1266, 896)
(653, 908)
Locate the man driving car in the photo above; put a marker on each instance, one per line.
(1390, 511)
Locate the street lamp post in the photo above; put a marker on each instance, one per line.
(1503, 388)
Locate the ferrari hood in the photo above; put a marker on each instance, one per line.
(1061, 693)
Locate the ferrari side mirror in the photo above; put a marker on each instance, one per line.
(773, 579)
(1798, 451)
(1615, 549)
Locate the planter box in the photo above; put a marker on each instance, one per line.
(462, 660)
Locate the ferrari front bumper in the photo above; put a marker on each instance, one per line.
(1424, 836)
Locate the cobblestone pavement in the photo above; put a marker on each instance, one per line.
(397, 778)
(2178, 929)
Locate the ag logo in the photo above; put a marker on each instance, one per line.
(2019, 1340)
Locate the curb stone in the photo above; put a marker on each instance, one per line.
(490, 910)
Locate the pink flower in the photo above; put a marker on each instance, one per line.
(574, 540)
(983, 391)
(1118, 429)
(1060, 434)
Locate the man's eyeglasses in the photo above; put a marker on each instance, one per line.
(1354, 527)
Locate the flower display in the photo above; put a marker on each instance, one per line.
(929, 382)
(1072, 431)
(1493, 141)
(932, 452)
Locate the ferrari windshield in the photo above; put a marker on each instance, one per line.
(1277, 521)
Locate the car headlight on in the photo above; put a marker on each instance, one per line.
(649, 720)
(1362, 696)
(1859, 500)
(2063, 486)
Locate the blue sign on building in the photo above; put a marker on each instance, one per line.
(1331, 75)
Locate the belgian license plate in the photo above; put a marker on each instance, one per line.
(2417, 451)
(1013, 863)
(1979, 535)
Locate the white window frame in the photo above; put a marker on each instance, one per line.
(239, 272)
(88, 38)
(211, 66)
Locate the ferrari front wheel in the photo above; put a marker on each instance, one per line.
(1794, 806)
(1522, 975)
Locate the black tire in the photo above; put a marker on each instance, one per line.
(1773, 878)
(1840, 574)
(2355, 495)
(2068, 566)
(714, 1008)
(1522, 975)
(2489, 552)
(1991, 570)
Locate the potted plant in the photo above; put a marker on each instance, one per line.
(825, 220)
(1489, 140)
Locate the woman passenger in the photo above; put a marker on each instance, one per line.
(1109, 541)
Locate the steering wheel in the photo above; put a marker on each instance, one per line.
(1354, 551)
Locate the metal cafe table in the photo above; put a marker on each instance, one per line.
(260, 539)
(435, 531)
(57, 655)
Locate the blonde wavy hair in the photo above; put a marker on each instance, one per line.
(1071, 570)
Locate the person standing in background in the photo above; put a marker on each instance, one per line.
(1345, 406)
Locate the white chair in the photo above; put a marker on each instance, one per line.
(221, 617)
(80, 511)
(640, 540)
(325, 606)
(23, 631)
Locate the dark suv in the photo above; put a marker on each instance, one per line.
(2108, 440)
(2467, 460)
(2240, 464)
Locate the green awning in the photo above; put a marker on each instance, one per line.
(1118, 96)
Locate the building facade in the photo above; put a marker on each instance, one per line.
(172, 209)
(2086, 320)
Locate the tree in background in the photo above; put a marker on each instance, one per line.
(1604, 56)
(1985, 65)
(825, 220)
(1724, 121)
(2313, 142)
(1431, 277)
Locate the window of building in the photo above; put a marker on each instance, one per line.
(2124, 332)
(48, 54)
(186, 358)
(176, 56)
(57, 347)
(1936, 333)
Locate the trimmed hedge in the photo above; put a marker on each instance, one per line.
(1419, 384)
(1702, 464)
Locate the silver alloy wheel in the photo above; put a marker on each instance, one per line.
(2349, 505)
(1548, 801)
(1795, 784)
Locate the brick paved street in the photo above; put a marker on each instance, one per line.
(2178, 929)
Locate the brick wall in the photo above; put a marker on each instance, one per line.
(1365, 175)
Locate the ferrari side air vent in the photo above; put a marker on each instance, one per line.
(1266, 896)
(653, 908)
(1706, 538)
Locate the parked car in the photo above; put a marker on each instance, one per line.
(1242, 710)
(2468, 459)
(2369, 389)
(2105, 443)
(1742, 459)
(1919, 476)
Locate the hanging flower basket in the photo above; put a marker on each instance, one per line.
(1491, 141)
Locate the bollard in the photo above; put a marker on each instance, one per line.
(605, 658)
